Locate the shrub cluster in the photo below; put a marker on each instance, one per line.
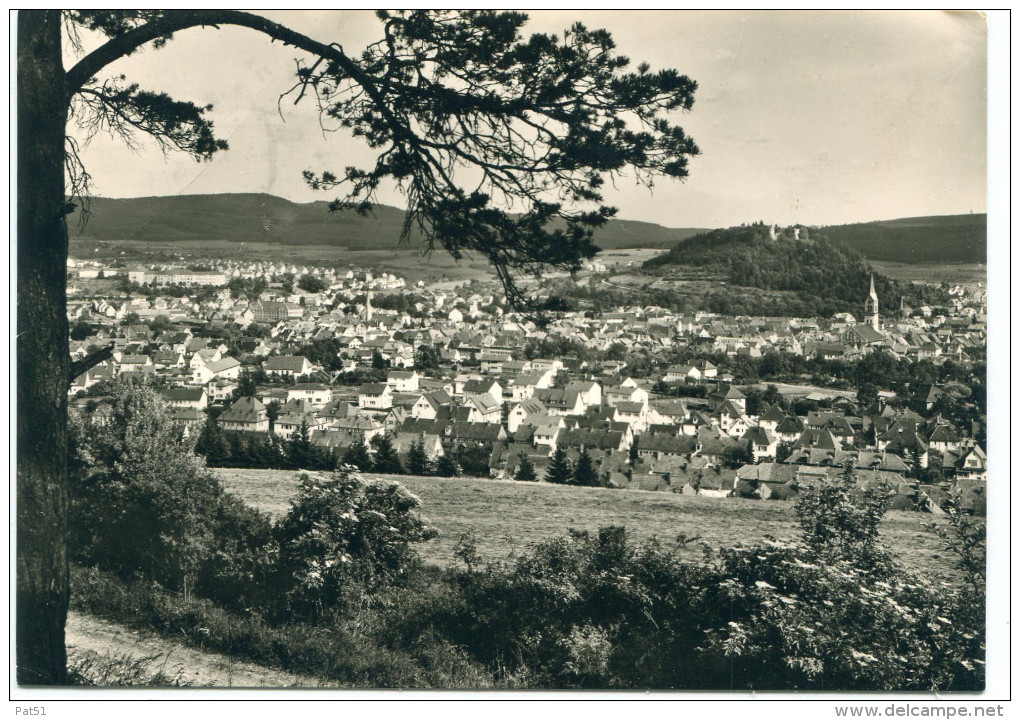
(144, 506)
(594, 611)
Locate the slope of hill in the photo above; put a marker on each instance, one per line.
(944, 239)
(266, 218)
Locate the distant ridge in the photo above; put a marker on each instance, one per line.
(267, 218)
(248, 217)
(940, 238)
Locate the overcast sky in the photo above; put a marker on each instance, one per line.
(810, 117)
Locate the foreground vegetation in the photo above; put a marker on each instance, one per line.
(335, 588)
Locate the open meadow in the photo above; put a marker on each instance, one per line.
(506, 516)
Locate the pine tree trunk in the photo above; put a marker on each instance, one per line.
(43, 360)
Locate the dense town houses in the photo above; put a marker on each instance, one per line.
(657, 399)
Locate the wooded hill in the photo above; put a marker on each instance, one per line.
(943, 238)
(803, 260)
(267, 218)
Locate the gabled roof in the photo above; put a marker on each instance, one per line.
(759, 436)
(297, 406)
(308, 387)
(186, 414)
(418, 425)
(775, 414)
(789, 425)
(374, 389)
(532, 406)
(558, 398)
(728, 408)
(730, 394)
(134, 360)
(485, 404)
(817, 439)
(599, 439)
(865, 333)
(245, 410)
(223, 364)
(286, 363)
(768, 472)
(402, 441)
(355, 422)
(679, 445)
(943, 432)
(337, 408)
(479, 387)
(479, 432)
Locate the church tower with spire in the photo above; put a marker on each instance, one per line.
(871, 307)
(368, 308)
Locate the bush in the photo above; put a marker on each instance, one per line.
(344, 538)
(141, 500)
(839, 521)
(839, 613)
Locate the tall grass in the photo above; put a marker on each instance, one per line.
(94, 670)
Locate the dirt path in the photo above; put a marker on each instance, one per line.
(90, 638)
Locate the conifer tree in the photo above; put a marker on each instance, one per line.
(584, 471)
(447, 466)
(299, 449)
(357, 455)
(417, 459)
(559, 470)
(212, 444)
(526, 470)
(386, 460)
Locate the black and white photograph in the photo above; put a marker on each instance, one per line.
(477, 353)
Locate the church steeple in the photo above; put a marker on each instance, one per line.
(871, 306)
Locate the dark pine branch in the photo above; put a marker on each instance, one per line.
(78, 367)
(493, 139)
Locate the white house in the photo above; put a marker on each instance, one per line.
(186, 397)
(521, 411)
(590, 392)
(403, 381)
(227, 368)
(315, 394)
(375, 396)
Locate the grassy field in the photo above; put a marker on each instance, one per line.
(508, 516)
